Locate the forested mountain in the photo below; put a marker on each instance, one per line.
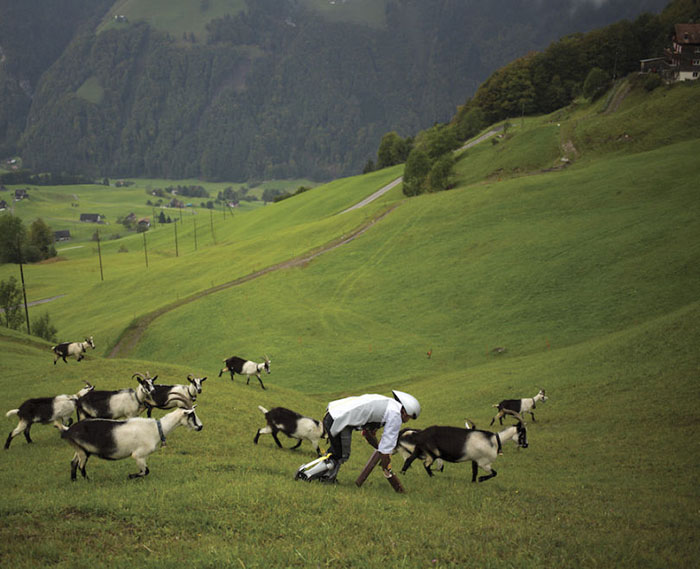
(277, 89)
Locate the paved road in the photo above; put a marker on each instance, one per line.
(42, 301)
(380, 192)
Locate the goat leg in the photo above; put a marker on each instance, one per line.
(487, 476)
(141, 463)
(409, 460)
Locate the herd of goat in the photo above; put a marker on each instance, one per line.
(109, 425)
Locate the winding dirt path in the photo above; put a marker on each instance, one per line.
(131, 336)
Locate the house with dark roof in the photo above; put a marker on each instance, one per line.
(21, 195)
(61, 235)
(685, 52)
(3, 205)
(91, 217)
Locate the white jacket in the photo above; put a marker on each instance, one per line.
(356, 412)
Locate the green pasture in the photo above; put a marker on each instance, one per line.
(190, 16)
(587, 277)
(227, 247)
(547, 260)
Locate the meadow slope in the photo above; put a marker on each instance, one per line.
(587, 276)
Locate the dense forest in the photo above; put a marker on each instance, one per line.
(276, 91)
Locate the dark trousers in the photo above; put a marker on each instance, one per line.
(340, 443)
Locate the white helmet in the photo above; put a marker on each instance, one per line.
(410, 403)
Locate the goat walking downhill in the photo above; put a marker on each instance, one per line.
(44, 410)
(171, 396)
(114, 440)
(520, 406)
(234, 365)
(116, 404)
(292, 424)
(454, 444)
(74, 349)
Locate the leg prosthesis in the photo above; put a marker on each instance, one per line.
(324, 469)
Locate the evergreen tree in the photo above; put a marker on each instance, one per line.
(416, 170)
(12, 315)
(41, 238)
(596, 83)
(12, 238)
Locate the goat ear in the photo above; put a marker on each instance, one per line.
(203, 379)
(154, 379)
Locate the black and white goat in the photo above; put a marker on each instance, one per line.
(292, 424)
(234, 365)
(116, 404)
(454, 444)
(113, 440)
(75, 349)
(520, 406)
(44, 410)
(171, 396)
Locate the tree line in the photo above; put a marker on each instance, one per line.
(274, 92)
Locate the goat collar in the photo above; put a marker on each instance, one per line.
(160, 432)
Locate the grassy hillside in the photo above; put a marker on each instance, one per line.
(177, 17)
(587, 275)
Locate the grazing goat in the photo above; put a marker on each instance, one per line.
(44, 410)
(292, 424)
(116, 404)
(520, 406)
(171, 396)
(113, 440)
(240, 366)
(454, 444)
(75, 349)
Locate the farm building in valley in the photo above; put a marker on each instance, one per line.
(91, 218)
(61, 235)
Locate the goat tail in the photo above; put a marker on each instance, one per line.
(264, 411)
(12, 412)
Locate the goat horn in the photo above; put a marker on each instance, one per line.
(87, 383)
(515, 414)
(468, 422)
(187, 402)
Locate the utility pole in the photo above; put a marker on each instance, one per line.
(175, 228)
(24, 288)
(145, 250)
(99, 254)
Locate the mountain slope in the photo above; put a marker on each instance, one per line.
(278, 89)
